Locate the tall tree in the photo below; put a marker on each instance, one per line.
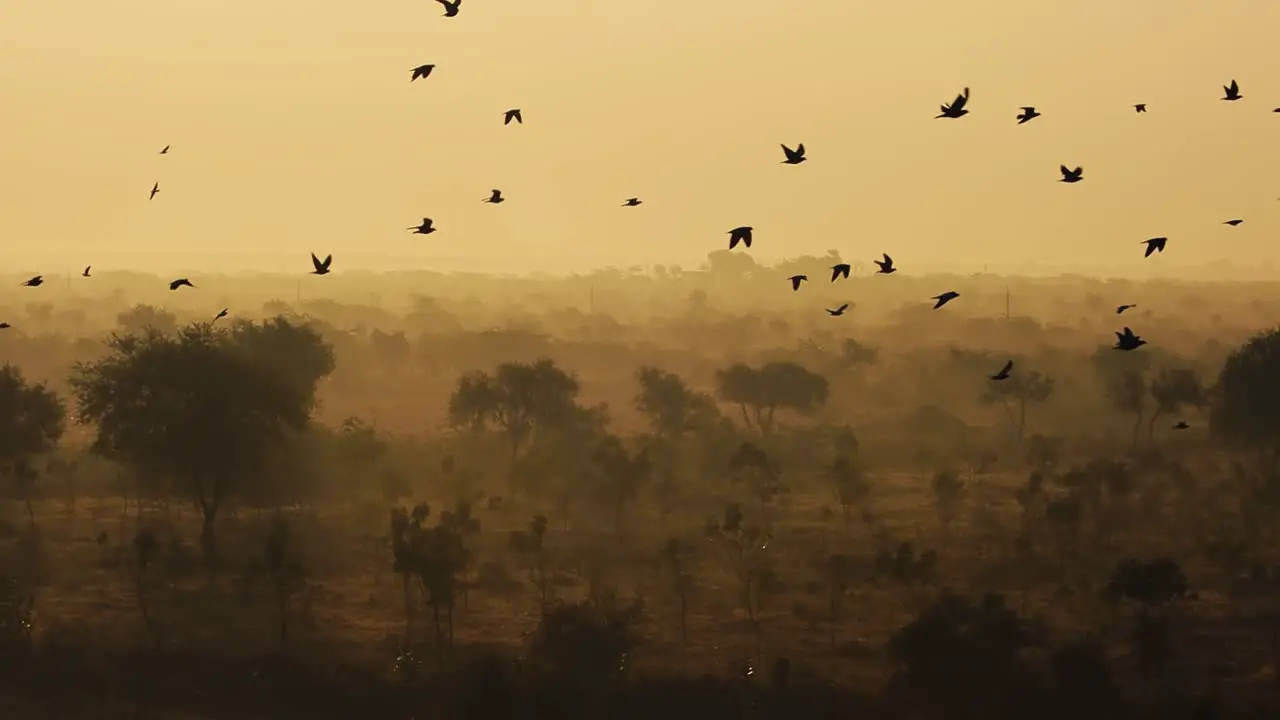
(1018, 391)
(31, 422)
(518, 398)
(1246, 411)
(671, 407)
(764, 390)
(1171, 389)
(202, 406)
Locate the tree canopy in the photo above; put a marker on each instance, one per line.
(518, 398)
(1247, 408)
(765, 389)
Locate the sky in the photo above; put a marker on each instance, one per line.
(294, 128)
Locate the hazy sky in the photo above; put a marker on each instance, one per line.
(295, 128)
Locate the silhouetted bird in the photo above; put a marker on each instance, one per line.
(886, 265)
(1071, 176)
(839, 270)
(165, 151)
(1234, 222)
(1122, 308)
(221, 314)
(424, 229)
(86, 271)
(321, 268)
(1004, 372)
(1154, 245)
(1128, 341)
(740, 234)
(838, 311)
(1276, 110)
(956, 108)
(1181, 425)
(422, 71)
(796, 280)
(944, 298)
(180, 282)
(794, 157)
(154, 189)
(632, 202)
(450, 8)
(495, 197)
(512, 115)
(36, 281)
(5, 326)
(1028, 114)
(1232, 91)
(1140, 107)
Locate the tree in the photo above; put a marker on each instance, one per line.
(140, 318)
(202, 406)
(676, 559)
(857, 354)
(1018, 391)
(671, 407)
(751, 466)
(850, 483)
(518, 398)
(1128, 393)
(745, 549)
(1171, 389)
(32, 420)
(622, 474)
(1246, 411)
(766, 389)
(435, 557)
(531, 546)
(285, 571)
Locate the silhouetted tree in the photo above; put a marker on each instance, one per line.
(857, 354)
(745, 549)
(518, 398)
(435, 557)
(766, 389)
(32, 420)
(531, 546)
(284, 569)
(1170, 390)
(198, 406)
(1246, 411)
(138, 319)
(621, 475)
(676, 557)
(670, 406)
(1019, 390)
(751, 466)
(850, 483)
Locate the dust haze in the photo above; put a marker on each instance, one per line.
(623, 493)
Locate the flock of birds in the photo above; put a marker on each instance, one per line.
(1126, 340)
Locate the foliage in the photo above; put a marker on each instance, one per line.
(766, 389)
(32, 420)
(670, 406)
(518, 398)
(1246, 412)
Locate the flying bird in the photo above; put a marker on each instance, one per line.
(5, 326)
(1071, 176)
(86, 271)
(1181, 425)
(165, 151)
(632, 202)
(321, 268)
(956, 108)
(794, 157)
(36, 281)
(838, 270)
(1028, 114)
(422, 71)
(180, 282)
(450, 8)
(1232, 91)
(886, 265)
(1004, 372)
(154, 189)
(944, 298)
(1128, 341)
(838, 311)
(424, 229)
(1234, 222)
(1140, 107)
(512, 115)
(1122, 308)
(1154, 245)
(796, 280)
(221, 314)
(495, 197)
(740, 234)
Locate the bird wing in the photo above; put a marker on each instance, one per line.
(842, 307)
(327, 259)
(1007, 367)
(800, 149)
(1234, 87)
(1065, 170)
(887, 260)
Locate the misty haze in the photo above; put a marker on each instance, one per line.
(587, 360)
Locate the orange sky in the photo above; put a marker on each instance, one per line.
(294, 128)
